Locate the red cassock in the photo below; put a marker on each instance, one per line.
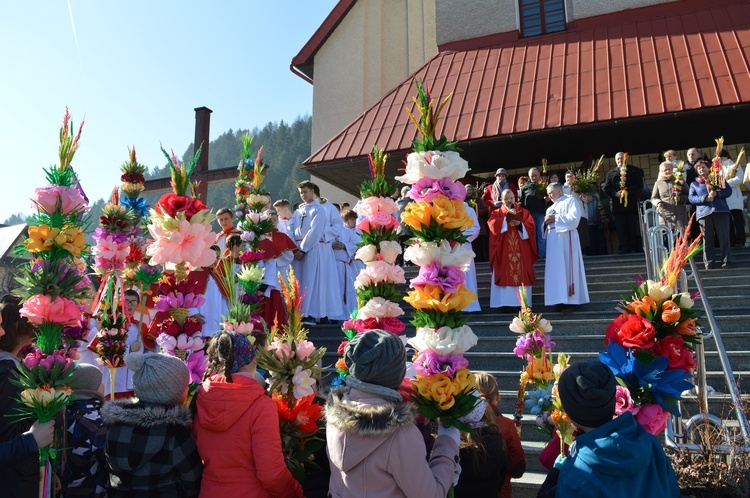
(512, 258)
(273, 247)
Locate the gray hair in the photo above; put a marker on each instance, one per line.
(554, 186)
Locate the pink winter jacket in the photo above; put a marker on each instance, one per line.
(236, 428)
(376, 451)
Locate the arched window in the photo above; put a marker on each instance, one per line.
(541, 16)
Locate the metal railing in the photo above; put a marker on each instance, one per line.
(658, 242)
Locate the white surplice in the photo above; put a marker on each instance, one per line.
(564, 274)
(348, 269)
(471, 273)
(214, 309)
(316, 271)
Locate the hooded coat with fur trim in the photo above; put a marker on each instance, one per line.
(376, 450)
(150, 450)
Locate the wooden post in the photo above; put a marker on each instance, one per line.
(202, 136)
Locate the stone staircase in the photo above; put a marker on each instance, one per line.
(581, 334)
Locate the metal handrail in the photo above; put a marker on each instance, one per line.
(658, 242)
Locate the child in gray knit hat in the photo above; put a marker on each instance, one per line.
(150, 446)
(372, 440)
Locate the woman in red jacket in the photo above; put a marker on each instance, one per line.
(236, 427)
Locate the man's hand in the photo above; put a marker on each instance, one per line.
(515, 223)
(299, 255)
(338, 245)
(711, 196)
(549, 219)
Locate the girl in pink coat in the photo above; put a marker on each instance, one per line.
(236, 427)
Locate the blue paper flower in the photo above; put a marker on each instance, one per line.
(538, 400)
(138, 205)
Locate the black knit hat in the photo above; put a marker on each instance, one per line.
(587, 391)
(376, 357)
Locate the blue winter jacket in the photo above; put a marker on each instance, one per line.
(697, 196)
(617, 460)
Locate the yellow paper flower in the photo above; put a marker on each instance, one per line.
(438, 388)
(74, 240)
(539, 369)
(43, 238)
(450, 213)
(39, 238)
(417, 214)
(431, 297)
(464, 380)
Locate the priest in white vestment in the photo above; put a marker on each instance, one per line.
(344, 249)
(564, 275)
(314, 263)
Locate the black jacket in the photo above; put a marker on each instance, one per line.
(633, 184)
(530, 201)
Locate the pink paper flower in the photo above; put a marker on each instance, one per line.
(623, 402)
(189, 243)
(378, 221)
(304, 349)
(371, 205)
(426, 189)
(51, 198)
(61, 310)
(197, 363)
(653, 418)
(445, 277)
(430, 363)
(379, 271)
(283, 350)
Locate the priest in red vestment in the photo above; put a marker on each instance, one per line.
(513, 251)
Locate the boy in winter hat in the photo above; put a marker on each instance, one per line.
(150, 446)
(610, 458)
(85, 473)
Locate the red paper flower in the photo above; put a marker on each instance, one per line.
(304, 415)
(631, 331)
(172, 204)
(342, 347)
(679, 356)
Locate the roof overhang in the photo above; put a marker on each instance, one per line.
(668, 76)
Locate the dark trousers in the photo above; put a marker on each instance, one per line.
(715, 224)
(737, 228)
(628, 232)
(597, 243)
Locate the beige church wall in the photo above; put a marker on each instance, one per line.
(332, 193)
(377, 45)
(578, 9)
(466, 19)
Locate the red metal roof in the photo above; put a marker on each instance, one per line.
(662, 59)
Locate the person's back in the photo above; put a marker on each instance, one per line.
(617, 459)
(236, 427)
(149, 445)
(609, 458)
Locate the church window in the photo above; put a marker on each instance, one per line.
(541, 16)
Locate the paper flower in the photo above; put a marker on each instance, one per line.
(40, 309)
(623, 401)
(653, 418)
(303, 382)
(425, 253)
(430, 363)
(58, 199)
(379, 271)
(431, 297)
(189, 242)
(378, 307)
(371, 205)
(389, 250)
(366, 253)
(448, 278)
(434, 165)
(445, 340)
(427, 189)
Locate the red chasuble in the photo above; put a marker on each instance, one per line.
(511, 257)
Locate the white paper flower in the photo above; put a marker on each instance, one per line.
(445, 340)
(366, 253)
(303, 382)
(657, 291)
(685, 301)
(435, 165)
(545, 325)
(389, 250)
(425, 253)
(517, 326)
(377, 307)
(251, 274)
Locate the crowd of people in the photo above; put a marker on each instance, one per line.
(148, 443)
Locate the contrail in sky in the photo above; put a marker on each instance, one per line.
(73, 25)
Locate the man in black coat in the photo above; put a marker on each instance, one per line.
(625, 205)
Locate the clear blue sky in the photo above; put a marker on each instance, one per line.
(136, 70)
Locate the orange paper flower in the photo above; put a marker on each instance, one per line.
(417, 214)
(431, 297)
(440, 388)
(643, 307)
(686, 328)
(670, 312)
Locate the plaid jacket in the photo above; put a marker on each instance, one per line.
(85, 472)
(150, 450)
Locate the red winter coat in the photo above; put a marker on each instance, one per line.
(236, 428)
